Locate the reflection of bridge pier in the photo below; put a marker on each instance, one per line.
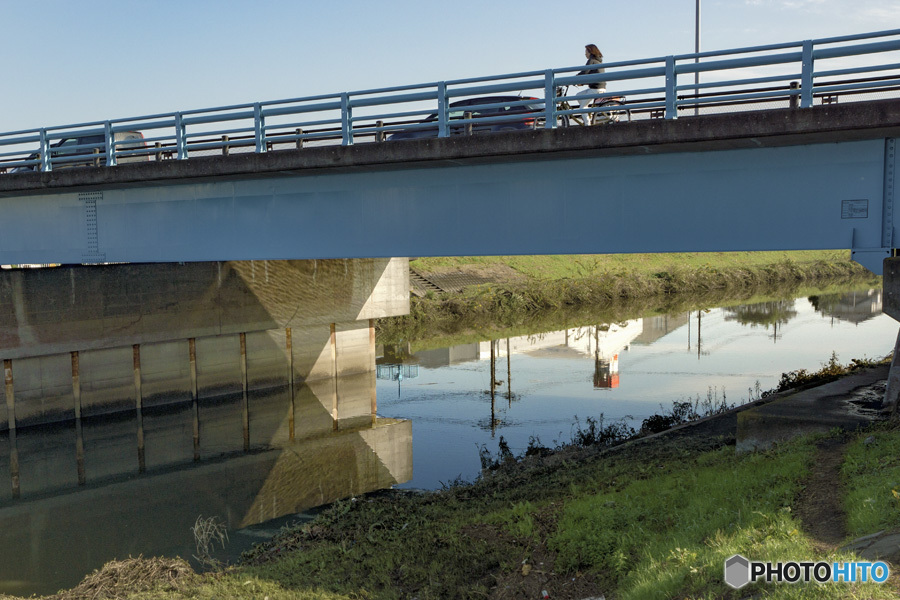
(51, 542)
(178, 371)
(157, 365)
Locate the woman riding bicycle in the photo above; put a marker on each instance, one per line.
(594, 57)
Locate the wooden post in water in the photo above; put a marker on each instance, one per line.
(699, 318)
(139, 406)
(334, 378)
(11, 423)
(245, 400)
(79, 435)
(508, 374)
(289, 348)
(195, 396)
(374, 394)
(493, 374)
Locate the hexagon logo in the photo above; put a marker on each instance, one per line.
(737, 571)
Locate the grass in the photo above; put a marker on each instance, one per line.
(558, 267)
(871, 475)
(571, 288)
(668, 536)
(655, 518)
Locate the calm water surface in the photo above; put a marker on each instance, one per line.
(59, 531)
(628, 370)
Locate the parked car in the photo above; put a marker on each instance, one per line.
(89, 150)
(481, 108)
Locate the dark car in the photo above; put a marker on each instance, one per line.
(531, 111)
(89, 150)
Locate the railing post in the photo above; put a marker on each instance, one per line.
(806, 85)
(671, 89)
(299, 133)
(443, 128)
(158, 145)
(224, 145)
(180, 142)
(110, 145)
(549, 99)
(346, 120)
(45, 165)
(794, 100)
(259, 130)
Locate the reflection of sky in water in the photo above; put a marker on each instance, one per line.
(450, 406)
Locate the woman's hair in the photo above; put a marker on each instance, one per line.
(594, 50)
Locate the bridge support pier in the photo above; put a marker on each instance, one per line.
(891, 283)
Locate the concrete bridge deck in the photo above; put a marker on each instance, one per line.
(713, 183)
(731, 131)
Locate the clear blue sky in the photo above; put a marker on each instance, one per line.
(68, 61)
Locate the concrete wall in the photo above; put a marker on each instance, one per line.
(65, 309)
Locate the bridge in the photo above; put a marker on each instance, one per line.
(659, 180)
(788, 146)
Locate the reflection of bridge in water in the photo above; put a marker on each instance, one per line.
(59, 531)
(141, 396)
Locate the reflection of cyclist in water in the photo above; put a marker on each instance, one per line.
(594, 57)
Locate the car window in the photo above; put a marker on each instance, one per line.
(64, 147)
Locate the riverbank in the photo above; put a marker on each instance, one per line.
(509, 292)
(651, 518)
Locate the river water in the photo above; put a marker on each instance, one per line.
(624, 371)
(435, 410)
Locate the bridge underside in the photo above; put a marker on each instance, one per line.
(770, 181)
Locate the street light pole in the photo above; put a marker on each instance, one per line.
(697, 58)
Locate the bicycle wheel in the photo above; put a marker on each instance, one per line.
(608, 116)
(562, 120)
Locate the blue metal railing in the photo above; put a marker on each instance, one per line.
(796, 74)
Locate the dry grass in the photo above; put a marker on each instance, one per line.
(119, 579)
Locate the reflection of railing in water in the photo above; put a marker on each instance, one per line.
(396, 372)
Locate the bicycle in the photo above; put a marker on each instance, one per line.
(601, 111)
